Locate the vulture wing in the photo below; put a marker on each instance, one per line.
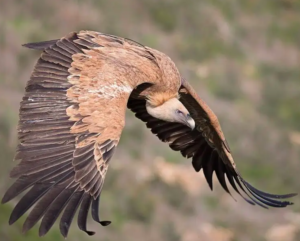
(206, 145)
(67, 130)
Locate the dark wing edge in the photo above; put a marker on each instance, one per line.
(198, 145)
(208, 125)
(46, 148)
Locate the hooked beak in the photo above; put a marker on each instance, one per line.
(187, 120)
(191, 123)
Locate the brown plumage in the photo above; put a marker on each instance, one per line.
(72, 116)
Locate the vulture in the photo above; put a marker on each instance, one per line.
(72, 115)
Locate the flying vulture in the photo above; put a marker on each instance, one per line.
(72, 116)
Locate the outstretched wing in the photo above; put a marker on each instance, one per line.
(206, 145)
(71, 119)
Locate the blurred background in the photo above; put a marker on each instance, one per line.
(243, 58)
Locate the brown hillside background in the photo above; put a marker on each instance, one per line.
(243, 58)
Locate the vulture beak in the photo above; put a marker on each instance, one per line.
(189, 121)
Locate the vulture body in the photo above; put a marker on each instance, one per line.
(72, 116)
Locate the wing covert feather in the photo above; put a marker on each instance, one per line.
(67, 133)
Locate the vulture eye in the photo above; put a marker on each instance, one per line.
(179, 112)
(188, 116)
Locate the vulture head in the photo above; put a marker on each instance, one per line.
(171, 110)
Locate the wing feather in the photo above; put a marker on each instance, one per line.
(55, 209)
(209, 127)
(63, 152)
(69, 213)
(95, 212)
(41, 45)
(83, 214)
(206, 145)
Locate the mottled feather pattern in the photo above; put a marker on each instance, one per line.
(63, 153)
(68, 131)
(72, 116)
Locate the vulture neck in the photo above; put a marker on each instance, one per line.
(159, 99)
(162, 107)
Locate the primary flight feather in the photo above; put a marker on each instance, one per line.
(72, 116)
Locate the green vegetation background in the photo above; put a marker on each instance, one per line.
(242, 56)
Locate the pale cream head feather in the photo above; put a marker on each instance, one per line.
(171, 110)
